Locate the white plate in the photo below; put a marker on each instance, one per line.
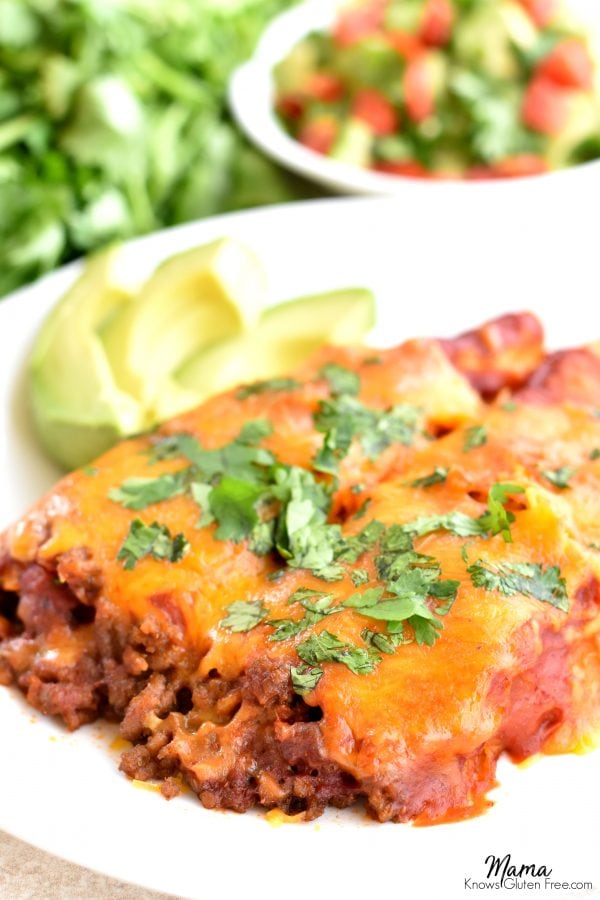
(436, 269)
(252, 91)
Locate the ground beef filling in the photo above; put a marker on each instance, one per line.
(243, 742)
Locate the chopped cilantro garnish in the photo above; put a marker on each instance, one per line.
(454, 521)
(595, 454)
(344, 418)
(365, 598)
(254, 431)
(243, 615)
(264, 387)
(353, 547)
(301, 595)
(438, 476)
(326, 647)
(362, 509)
(305, 678)
(200, 492)
(384, 642)
(316, 604)
(90, 471)
(529, 579)
(509, 406)
(359, 577)
(559, 477)
(475, 436)
(496, 520)
(373, 361)
(151, 540)
(233, 505)
(340, 380)
(137, 493)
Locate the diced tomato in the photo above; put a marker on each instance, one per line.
(290, 106)
(437, 21)
(545, 106)
(418, 89)
(325, 87)
(412, 169)
(569, 65)
(480, 173)
(541, 11)
(521, 165)
(319, 135)
(376, 111)
(359, 22)
(406, 45)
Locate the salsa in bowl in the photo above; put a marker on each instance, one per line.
(434, 89)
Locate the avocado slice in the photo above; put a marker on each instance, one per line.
(193, 299)
(78, 409)
(284, 337)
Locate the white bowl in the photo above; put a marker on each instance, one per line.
(252, 92)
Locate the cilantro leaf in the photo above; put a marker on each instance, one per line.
(529, 579)
(301, 595)
(385, 643)
(455, 522)
(359, 577)
(326, 647)
(305, 678)
(233, 504)
(267, 386)
(200, 492)
(475, 436)
(354, 546)
(438, 476)
(595, 453)
(340, 379)
(243, 615)
(559, 477)
(151, 540)
(497, 519)
(137, 493)
(364, 600)
(254, 431)
(344, 418)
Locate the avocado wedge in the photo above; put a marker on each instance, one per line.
(193, 299)
(285, 336)
(78, 409)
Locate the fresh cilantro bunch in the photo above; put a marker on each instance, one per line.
(113, 123)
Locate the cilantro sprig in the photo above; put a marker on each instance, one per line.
(343, 419)
(560, 477)
(151, 540)
(438, 476)
(529, 579)
(243, 615)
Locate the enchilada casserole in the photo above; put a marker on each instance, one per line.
(364, 582)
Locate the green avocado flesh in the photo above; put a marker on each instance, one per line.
(115, 357)
(78, 409)
(285, 336)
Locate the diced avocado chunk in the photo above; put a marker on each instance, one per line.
(372, 62)
(354, 144)
(78, 409)
(292, 73)
(582, 125)
(193, 299)
(285, 336)
(487, 37)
